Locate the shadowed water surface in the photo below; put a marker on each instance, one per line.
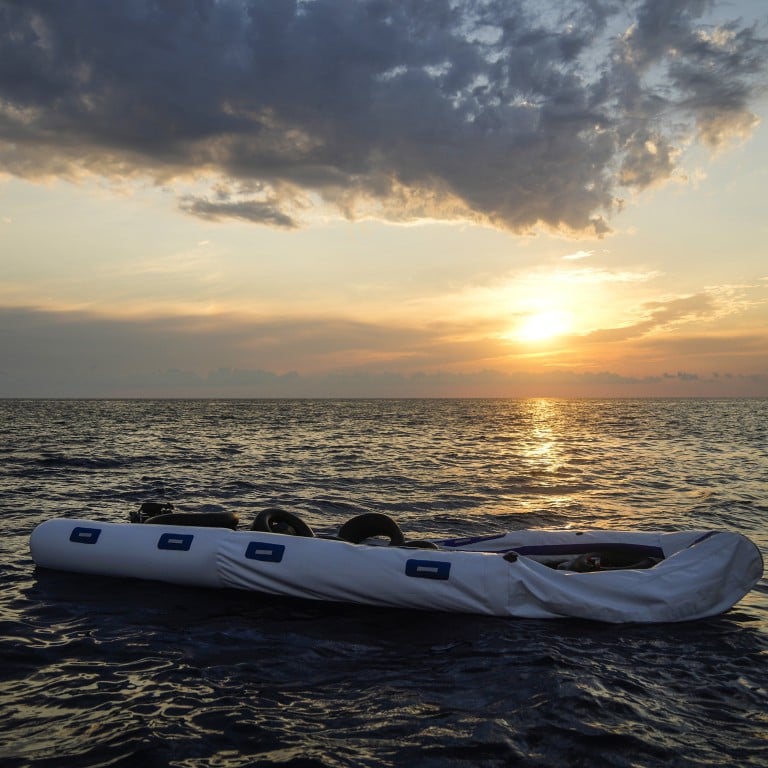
(109, 672)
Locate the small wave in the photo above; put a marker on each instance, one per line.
(81, 462)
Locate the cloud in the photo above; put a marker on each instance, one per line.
(511, 113)
(663, 316)
(258, 211)
(578, 255)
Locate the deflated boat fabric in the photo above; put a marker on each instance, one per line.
(704, 573)
(704, 579)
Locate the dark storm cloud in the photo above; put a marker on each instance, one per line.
(509, 112)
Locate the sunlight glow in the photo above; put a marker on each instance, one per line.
(543, 325)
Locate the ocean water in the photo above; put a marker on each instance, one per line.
(111, 672)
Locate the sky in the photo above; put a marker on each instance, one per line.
(411, 198)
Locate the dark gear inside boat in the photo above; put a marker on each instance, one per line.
(606, 560)
(162, 513)
(276, 520)
(611, 558)
(372, 525)
(151, 509)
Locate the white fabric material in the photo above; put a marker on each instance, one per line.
(128, 550)
(703, 574)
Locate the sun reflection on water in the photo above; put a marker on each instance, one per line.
(542, 449)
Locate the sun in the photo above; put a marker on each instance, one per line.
(542, 326)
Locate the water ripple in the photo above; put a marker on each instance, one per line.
(106, 672)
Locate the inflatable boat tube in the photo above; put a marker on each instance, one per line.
(698, 573)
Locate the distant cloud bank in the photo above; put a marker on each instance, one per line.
(516, 114)
(75, 354)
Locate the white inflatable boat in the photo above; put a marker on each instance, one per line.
(610, 576)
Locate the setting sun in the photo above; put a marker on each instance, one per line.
(543, 325)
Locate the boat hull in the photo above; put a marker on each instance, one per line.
(702, 573)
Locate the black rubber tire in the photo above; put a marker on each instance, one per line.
(372, 524)
(199, 519)
(276, 520)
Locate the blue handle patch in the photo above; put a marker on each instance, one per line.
(82, 535)
(428, 569)
(265, 552)
(177, 541)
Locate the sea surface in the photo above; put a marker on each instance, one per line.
(111, 672)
